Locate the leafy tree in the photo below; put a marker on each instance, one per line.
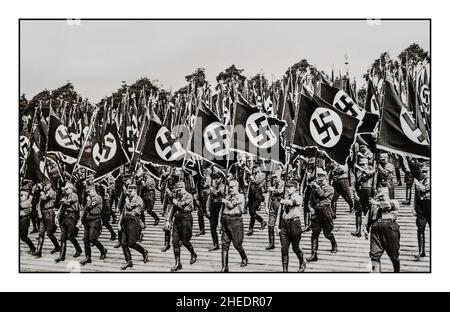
(231, 73)
(414, 54)
(257, 81)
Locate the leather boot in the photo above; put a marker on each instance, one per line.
(38, 252)
(127, 254)
(244, 258)
(177, 266)
(285, 263)
(333, 210)
(358, 223)
(396, 265)
(334, 248)
(301, 260)
(271, 238)
(62, 253)
(307, 222)
(102, 249)
(55, 243)
(87, 252)
(193, 254)
(376, 267)
(214, 247)
(421, 241)
(224, 261)
(166, 241)
(119, 240)
(78, 250)
(314, 247)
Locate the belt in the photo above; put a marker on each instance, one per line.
(233, 215)
(183, 212)
(384, 220)
(290, 220)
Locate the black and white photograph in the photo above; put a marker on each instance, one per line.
(224, 145)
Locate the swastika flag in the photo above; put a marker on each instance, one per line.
(256, 133)
(343, 102)
(61, 141)
(162, 147)
(210, 138)
(325, 127)
(399, 132)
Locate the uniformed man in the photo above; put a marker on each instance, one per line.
(106, 191)
(204, 196)
(24, 219)
(384, 230)
(291, 226)
(125, 182)
(46, 215)
(276, 192)
(423, 209)
(68, 216)
(386, 173)
(362, 192)
(148, 194)
(341, 187)
(217, 193)
(233, 225)
(310, 178)
(255, 198)
(364, 152)
(321, 214)
(169, 188)
(129, 224)
(91, 218)
(182, 224)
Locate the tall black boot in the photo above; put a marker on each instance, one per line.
(102, 249)
(421, 241)
(307, 216)
(40, 243)
(376, 267)
(166, 241)
(314, 247)
(55, 243)
(119, 240)
(78, 250)
(87, 252)
(62, 253)
(30, 245)
(127, 255)
(396, 265)
(333, 209)
(193, 254)
(224, 261)
(252, 224)
(271, 238)
(142, 251)
(332, 239)
(244, 259)
(302, 264)
(285, 263)
(177, 266)
(358, 223)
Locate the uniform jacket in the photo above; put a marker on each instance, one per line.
(321, 197)
(48, 199)
(236, 206)
(293, 211)
(25, 207)
(94, 205)
(387, 210)
(134, 206)
(424, 189)
(258, 180)
(386, 174)
(364, 179)
(70, 203)
(217, 192)
(185, 202)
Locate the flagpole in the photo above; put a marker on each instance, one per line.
(31, 139)
(85, 141)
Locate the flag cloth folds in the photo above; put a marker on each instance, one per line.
(210, 138)
(60, 141)
(343, 102)
(399, 132)
(372, 105)
(162, 147)
(325, 127)
(257, 134)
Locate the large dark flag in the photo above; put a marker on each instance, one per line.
(162, 147)
(343, 102)
(322, 126)
(257, 134)
(210, 138)
(61, 141)
(399, 132)
(36, 165)
(109, 154)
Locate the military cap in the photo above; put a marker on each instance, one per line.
(292, 183)
(320, 172)
(363, 161)
(179, 185)
(68, 185)
(384, 156)
(233, 183)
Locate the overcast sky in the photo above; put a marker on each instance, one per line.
(97, 55)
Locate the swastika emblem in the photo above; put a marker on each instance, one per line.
(108, 151)
(215, 138)
(167, 146)
(425, 95)
(345, 103)
(258, 131)
(325, 127)
(63, 138)
(410, 128)
(24, 146)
